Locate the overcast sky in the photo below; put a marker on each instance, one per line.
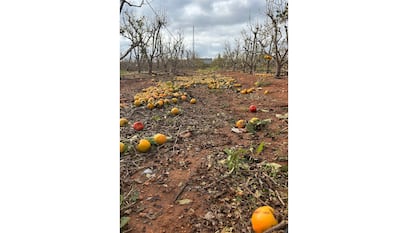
(215, 21)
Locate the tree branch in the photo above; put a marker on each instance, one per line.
(129, 4)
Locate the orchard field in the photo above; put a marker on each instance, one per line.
(220, 161)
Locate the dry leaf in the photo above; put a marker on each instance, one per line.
(184, 201)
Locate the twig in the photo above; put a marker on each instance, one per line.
(277, 193)
(246, 186)
(180, 192)
(279, 226)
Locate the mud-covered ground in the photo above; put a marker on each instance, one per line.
(209, 176)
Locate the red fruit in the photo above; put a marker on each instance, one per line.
(138, 126)
(252, 108)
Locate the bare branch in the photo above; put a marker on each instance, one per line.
(122, 2)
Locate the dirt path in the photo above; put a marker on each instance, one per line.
(192, 166)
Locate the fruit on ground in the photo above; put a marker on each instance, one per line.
(175, 111)
(150, 106)
(254, 120)
(160, 138)
(263, 218)
(123, 121)
(193, 101)
(122, 147)
(138, 126)
(143, 146)
(174, 100)
(160, 103)
(183, 97)
(241, 124)
(266, 92)
(252, 108)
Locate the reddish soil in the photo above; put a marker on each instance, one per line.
(190, 166)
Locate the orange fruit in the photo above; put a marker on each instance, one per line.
(193, 101)
(175, 111)
(266, 92)
(150, 106)
(143, 146)
(244, 91)
(241, 124)
(122, 147)
(160, 138)
(183, 97)
(123, 121)
(137, 102)
(160, 103)
(263, 219)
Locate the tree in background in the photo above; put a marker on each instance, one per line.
(277, 13)
(132, 28)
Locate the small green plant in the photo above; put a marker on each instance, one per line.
(234, 158)
(256, 124)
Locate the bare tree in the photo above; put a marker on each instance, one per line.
(277, 12)
(232, 55)
(153, 49)
(176, 52)
(250, 47)
(266, 42)
(132, 29)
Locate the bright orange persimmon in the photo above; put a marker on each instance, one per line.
(143, 146)
(241, 124)
(160, 138)
(263, 219)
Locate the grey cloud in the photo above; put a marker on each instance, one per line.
(215, 21)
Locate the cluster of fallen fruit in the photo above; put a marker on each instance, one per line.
(167, 93)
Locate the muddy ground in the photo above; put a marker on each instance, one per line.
(187, 185)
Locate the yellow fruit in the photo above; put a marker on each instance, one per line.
(266, 92)
(174, 100)
(150, 106)
(151, 100)
(254, 120)
(241, 124)
(123, 121)
(160, 138)
(193, 101)
(122, 147)
(175, 111)
(244, 91)
(263, 219)
(143, 146)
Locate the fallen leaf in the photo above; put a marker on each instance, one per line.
(124, 221)
(237, 130)
(184, 201)
(282, 116)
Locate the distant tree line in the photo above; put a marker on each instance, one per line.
(261, 44)
(149, 48)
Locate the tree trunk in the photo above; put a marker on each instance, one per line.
(278, 70)
(150, 66)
